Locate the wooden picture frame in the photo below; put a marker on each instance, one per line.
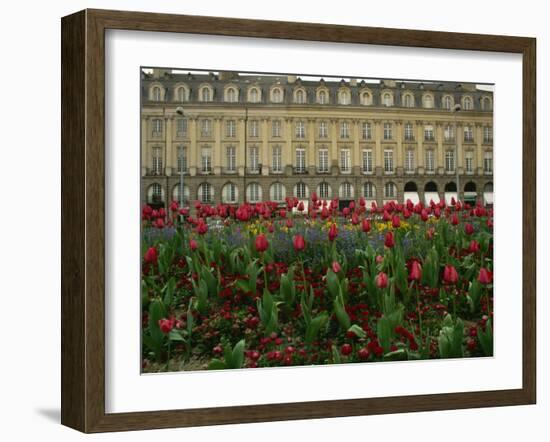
(83, 219)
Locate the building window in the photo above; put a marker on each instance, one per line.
(157, 160)
(486, 103)
(276, 95)
(206, 160)
(323, 98)
(300, 129)
(488, 162)
(205, 193)
(156, 93)
(254, 192)
(388, 131)
(230, 128)
(449, 161)
(449, 133)
(409, 132)
(366, 129)
(447, 102)
(468, 134)
(181, 94)
(344, 97)
(206, 128)
(409, 161)
(277, 159)
(300, 160)
(469, 160)
(155, 193)
(390, 190)
(205, 94)
(487, 134)
(277, 192)
(254, 95)
(229, 193)
(346, 191)
(429, 133)
(468, 103)
(323, 160)
(276, 128)
(325, 192)
(430, 161)
(300, 97)
(408, 101)
(181, 127)
(367, 161)
(253, 159)
(388, 161)
(366, 99)
(344, 129)
(301, 191)
(230, 159)
(182, 159)
(323, 129)
(231, 95)
(176, 191)
(428, 101)
(369, 191)
(254, 128)
(345, 161)
(157, 127)
(386, 99)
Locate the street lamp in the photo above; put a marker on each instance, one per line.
(179, 111)
(457, 108)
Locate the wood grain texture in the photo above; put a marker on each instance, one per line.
(83, 219)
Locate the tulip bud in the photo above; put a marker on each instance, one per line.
(381, 280)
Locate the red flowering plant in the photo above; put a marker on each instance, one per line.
(314, 282)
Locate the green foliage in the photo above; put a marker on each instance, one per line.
(233, 357)
(451, 338)
(486, 338)
(269, 312)
(340, 312)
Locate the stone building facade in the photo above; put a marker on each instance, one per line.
(216, 134)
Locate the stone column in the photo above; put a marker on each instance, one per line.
(287, 150)
(193, 146)
(440, 152)
(241, 133)
(168, 123)
(478, 157)
(399, 146)
(356, 155)
(378, 154)
(420, 160)
(333, 143)
(311, 146)
(217, 153)
(144, 147)
(264, 149)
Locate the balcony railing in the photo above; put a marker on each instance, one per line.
(301, 170)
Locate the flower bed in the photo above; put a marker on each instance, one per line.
(261, 285)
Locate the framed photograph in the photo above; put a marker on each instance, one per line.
(267, 220)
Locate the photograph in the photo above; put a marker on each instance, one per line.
(299, 219)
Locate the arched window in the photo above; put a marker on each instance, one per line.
(277, 192)
(176, 194)
(468, 104)
(386, 99)
(344, 97)
(230, 193)
(323, 97)
(447, 102)
(181, 94)
(408, 100)
(301, 190)
(231, 95)
(254, 95)
(205, 193)
(486, 103)
(253, 192)
(369, 190)
(346, 191)
(390, 190)
(428, 101)
(156, 93)
(155, 194)
(324, 190)
(276, 95)
(300, 97)
(205, 94)
(366, 99)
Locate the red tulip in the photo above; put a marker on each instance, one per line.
(301, 206)
(468, 228)
(299, 243)
(381, 280)
(454, 220)
(450, 275)
(363, 353)
(336, 267)
(261, 243)
(416, 271)
(354, 219)
(346, 349)
(202, 228)
(193, 244)
(474, 246)
(282, 213)
(151, 255)
(389, 241)
(333, 232)
(166, 325)
(485, 276)
(396, 222)
(289, 223)
(424, 215)
(366, 225)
